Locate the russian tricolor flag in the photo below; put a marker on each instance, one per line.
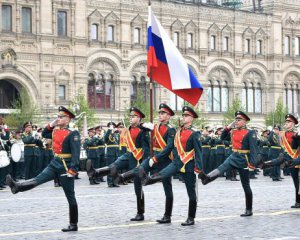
(168, 65)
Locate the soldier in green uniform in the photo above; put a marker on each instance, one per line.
(243, 158)
(263, 146)
(187, 160)
(111, 139)
(137, 139)
(101, 150)
(31, 143)
(220, 151)
(205, 139)
(4, 135)
(66, 148)
(91, 146)
(275, 150)
(163, 145)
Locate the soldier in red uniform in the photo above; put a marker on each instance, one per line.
(289, 141)
(66, 148)
(187, 160)
(137, 139)
(243, 158)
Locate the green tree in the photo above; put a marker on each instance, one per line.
(276, 116)
(228, 116)
(23, 110)
(79, 105)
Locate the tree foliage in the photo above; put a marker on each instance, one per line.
(277, 115)
(23, 110)
(79, 105)
(228, 116)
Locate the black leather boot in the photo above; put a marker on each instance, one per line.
(297, 203)
(73, 212)
(168, 212)
(151, 180)
(96, 173)
(248, 211)
(124, 177)
(20, 187)
(205, 179)
(140, 209)
(191, 215)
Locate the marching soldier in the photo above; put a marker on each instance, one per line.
(289, 141)
(66, 147)
(137, 139)
(243, 158)
(111, 139)
(263, 146)
(187, 160)
(220, 151)
(91, 146)
(163, 145)
(205, 139)
(4, 135)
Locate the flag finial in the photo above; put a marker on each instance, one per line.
(149, 2)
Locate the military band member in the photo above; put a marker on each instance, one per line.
(111, 139)
(138, 149)
(66, 148)
(163, 145)
(275, 150)
(101, 150)
(243, 158)
(289, 141)
(91, 146)
(187, 160)
(31, 143)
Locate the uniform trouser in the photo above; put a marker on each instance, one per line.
(295, 177)
(2, 175)
(244, 176)
(110, 160)
(167, 182)
(206, 168)
(189, 180)
(29, 162)
(54, 169)
(275, 172)
(102, 162)
(123, 163)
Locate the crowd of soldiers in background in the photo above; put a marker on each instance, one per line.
(104, 144)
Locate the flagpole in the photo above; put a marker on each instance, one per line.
(151, 104)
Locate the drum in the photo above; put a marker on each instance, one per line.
(16, 152)
(4, 159)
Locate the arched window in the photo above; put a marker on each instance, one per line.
(133, 89)
(94, 32)
(252, 98)
(101, 92)
(110, 33)
(291, 93)
(137, 36)
(218, 91)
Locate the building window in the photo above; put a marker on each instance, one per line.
(217, 97)
(137, 36)
(26, 20)
(6, 18)
(226, 44)
(133, 89)
(94, 31)
(287, 45)
(252, 98)
(101, 92)
(62, 92)
(190, 40)
(176, 103)
(291, 98)
(62, 23)
(247, 46)
(110, 33)
(297, 46)
(259, 47)
(213, 42)
(176, 39)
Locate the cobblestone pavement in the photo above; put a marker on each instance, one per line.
(104, 212)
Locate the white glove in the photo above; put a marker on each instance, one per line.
(53, 123)
(5, 126)
(70, 175)
(148, 125)
(111, 127)
(151, 162)
(231, 125)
